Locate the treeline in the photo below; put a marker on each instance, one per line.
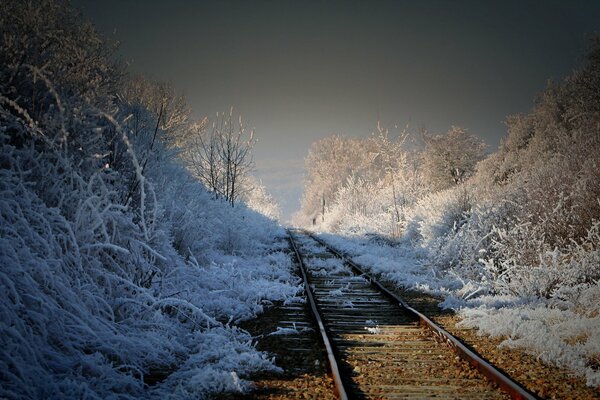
(122, 271)
(524, 218)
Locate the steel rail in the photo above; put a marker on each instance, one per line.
(335, 371)
(507, 384)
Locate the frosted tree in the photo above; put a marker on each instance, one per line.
(257, 198)
(329, 163)
(451, 158)
(393, 159)
(160, 99)
(221, 156)
(548, 164)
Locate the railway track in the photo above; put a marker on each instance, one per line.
(380, 347)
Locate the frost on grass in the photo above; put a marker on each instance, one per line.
(289, 331)
(121, 276)
(373, 330)
(327, 266)
(560, 337)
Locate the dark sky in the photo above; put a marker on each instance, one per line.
(299, 70)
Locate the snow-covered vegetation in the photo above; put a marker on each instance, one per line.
(121, 275)
(511, 239)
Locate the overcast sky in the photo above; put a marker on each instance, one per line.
(298, 71)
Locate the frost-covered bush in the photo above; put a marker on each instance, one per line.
(535, 198)
(554, 270)
(361, 207)
(437, 215)
(547, 173)
(120, 276)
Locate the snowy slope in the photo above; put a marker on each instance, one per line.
(120, 275)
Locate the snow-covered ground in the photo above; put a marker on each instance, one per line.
(562, 331)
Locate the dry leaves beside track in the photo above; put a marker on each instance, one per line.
(545, 381)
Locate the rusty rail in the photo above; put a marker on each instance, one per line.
(335, 371)
(515, 390)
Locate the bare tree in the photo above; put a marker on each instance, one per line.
(221, 156)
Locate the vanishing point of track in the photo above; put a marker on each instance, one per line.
(380, 347)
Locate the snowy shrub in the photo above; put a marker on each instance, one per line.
(554, 269)
(438, 214)
(360, 207)
(120, 275)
